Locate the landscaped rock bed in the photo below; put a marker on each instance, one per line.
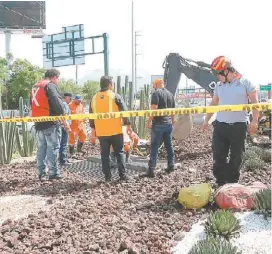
(92, 217)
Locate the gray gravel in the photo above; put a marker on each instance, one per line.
(17, 207)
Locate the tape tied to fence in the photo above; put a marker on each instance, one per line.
(145, 113)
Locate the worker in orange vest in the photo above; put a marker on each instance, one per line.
(77, 126)
(46, 101)
(109, 131)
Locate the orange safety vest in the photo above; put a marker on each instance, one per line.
(39, 100)
(76, 109)
(104, 102)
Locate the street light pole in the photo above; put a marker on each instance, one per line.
(137, 34)
(132, 47)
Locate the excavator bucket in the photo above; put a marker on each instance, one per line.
(200, 72)
(182, 127)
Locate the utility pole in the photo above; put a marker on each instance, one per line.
(137, 33)
(186, 85)
(132, 47)
(77, 74)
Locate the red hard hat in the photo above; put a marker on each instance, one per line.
(220, 63)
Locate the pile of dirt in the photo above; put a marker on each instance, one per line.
(196, 145)
(141, 215)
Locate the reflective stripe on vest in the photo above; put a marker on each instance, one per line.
(34, 92)
(111, 101)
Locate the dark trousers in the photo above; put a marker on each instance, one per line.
(63, 146)
(161, 132)
(228, 138)
(117, 142)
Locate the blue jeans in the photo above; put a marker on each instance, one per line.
(161, 132)
(48, 148)
(63, 146)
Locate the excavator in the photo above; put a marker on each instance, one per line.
(174, 65)
(200, 72)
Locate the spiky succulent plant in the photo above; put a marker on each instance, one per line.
(266, 155)
(262, 202)
(256, 150)
(222, 223)
(253, 164)
(214, 246)
(248, 154)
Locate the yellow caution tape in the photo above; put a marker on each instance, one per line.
(146, 113)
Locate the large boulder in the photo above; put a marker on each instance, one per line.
(237, 196)
(195, 196)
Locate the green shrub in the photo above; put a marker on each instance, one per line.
(214, 246)
(253, 164)
(249, 154)
(256, 150)
(262, 202)
(222, 223)
(266, 155)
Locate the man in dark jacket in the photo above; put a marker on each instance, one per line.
(162, 127)
(46, 101)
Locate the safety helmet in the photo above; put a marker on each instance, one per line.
(220, 63)
(158, 81)
(78, 97)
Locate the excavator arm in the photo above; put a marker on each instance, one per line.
(200, 72)
(174, 65)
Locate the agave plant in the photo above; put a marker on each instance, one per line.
(214, 246)
(266, 155)
(262, 202)
(222, 223)
(250, 154)
(26, 144)
(256, 150)
(254, 164)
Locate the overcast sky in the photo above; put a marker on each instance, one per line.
(196, 29)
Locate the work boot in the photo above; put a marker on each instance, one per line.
(43, 178)
(123, 177)
(55, 177)
(71, 150)
(150, 173)
(108, 178)
(170, 168)
(79, 147)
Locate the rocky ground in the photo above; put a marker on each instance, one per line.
(85, 216)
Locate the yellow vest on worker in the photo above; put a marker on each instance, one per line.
(104, 102)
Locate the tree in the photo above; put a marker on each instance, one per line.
(23, 76)
(69, 86)
(3, 74)
(90, 88)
